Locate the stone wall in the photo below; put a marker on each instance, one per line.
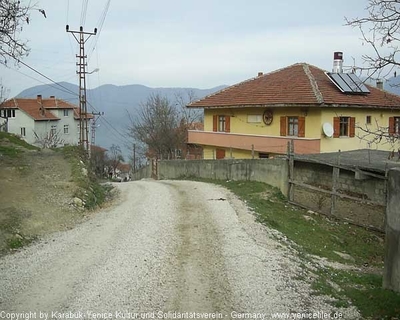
(372, 190)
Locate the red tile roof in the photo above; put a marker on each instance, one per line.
(124, 167)
(297, 85)
(33, 107)
(95, 148)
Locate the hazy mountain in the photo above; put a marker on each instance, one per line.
(114, 101)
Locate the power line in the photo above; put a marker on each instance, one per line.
(100, 24)
(84, 12)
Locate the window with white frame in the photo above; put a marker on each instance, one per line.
(23, 131)
(66, 112)
(66, 129)
(9, 113)
(221, 123)
(293, 126)
(53, 130)
(254, 118)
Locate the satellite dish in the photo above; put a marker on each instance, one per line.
(327, 129)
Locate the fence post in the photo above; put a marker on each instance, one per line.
(391, 273)
(252, 151)
(335, 180)
(290, 151)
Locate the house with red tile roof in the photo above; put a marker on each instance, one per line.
(317, 110)
(42, 118)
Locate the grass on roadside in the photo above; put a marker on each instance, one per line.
(11, 145)
(321, 236)
(92, 193)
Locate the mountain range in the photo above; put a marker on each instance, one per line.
(114, 102)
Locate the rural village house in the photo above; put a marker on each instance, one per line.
(36, 120)
(319, 111)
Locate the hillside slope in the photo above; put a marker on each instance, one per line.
(37, 192)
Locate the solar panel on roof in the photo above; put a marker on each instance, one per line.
(348, 83)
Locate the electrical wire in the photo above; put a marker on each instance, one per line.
(100, 24)
(84, 12)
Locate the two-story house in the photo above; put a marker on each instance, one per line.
(319, 111)
(42, 118)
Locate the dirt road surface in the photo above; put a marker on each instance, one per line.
(167, 246)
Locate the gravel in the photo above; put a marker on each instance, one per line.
(169, 246)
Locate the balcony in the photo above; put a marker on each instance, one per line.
(265, 144)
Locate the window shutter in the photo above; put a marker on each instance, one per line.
(227, 124)
(391, 126)
(283, 126)
(352, 129)
(215, 123)
(302, 127)
(336, 127)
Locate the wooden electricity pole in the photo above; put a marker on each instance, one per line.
(81, 37)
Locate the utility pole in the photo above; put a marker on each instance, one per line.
(81, 37)
(94, 126)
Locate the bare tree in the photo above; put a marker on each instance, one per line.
(160, 127)
(51, 139)
(13, 16)
(98, 160)
(115, 158)
(156, 126)
(380, 30)
(190, 115)
(3, 116)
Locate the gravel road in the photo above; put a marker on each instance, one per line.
(166, 246)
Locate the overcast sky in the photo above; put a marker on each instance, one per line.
(185, 43)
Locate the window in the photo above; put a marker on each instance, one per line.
(397, 125)
(66, 129)
(23, 132)
(53, 130)
(9, 113)
(254, 118)
(344, 127)
(66, 112)
(293, 126)
(368, 120)
(263, 155)
(394, 126)
(221, 123)
(220, 154)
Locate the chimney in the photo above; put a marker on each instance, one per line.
(260, 74)
(337, 62)
(379, 84)
(39, 101)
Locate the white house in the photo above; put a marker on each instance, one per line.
(36, 120)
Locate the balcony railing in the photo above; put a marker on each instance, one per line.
(265, 144)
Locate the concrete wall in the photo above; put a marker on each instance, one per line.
(391, 274)
(271, 171)
(142, 173)
(275, 173)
